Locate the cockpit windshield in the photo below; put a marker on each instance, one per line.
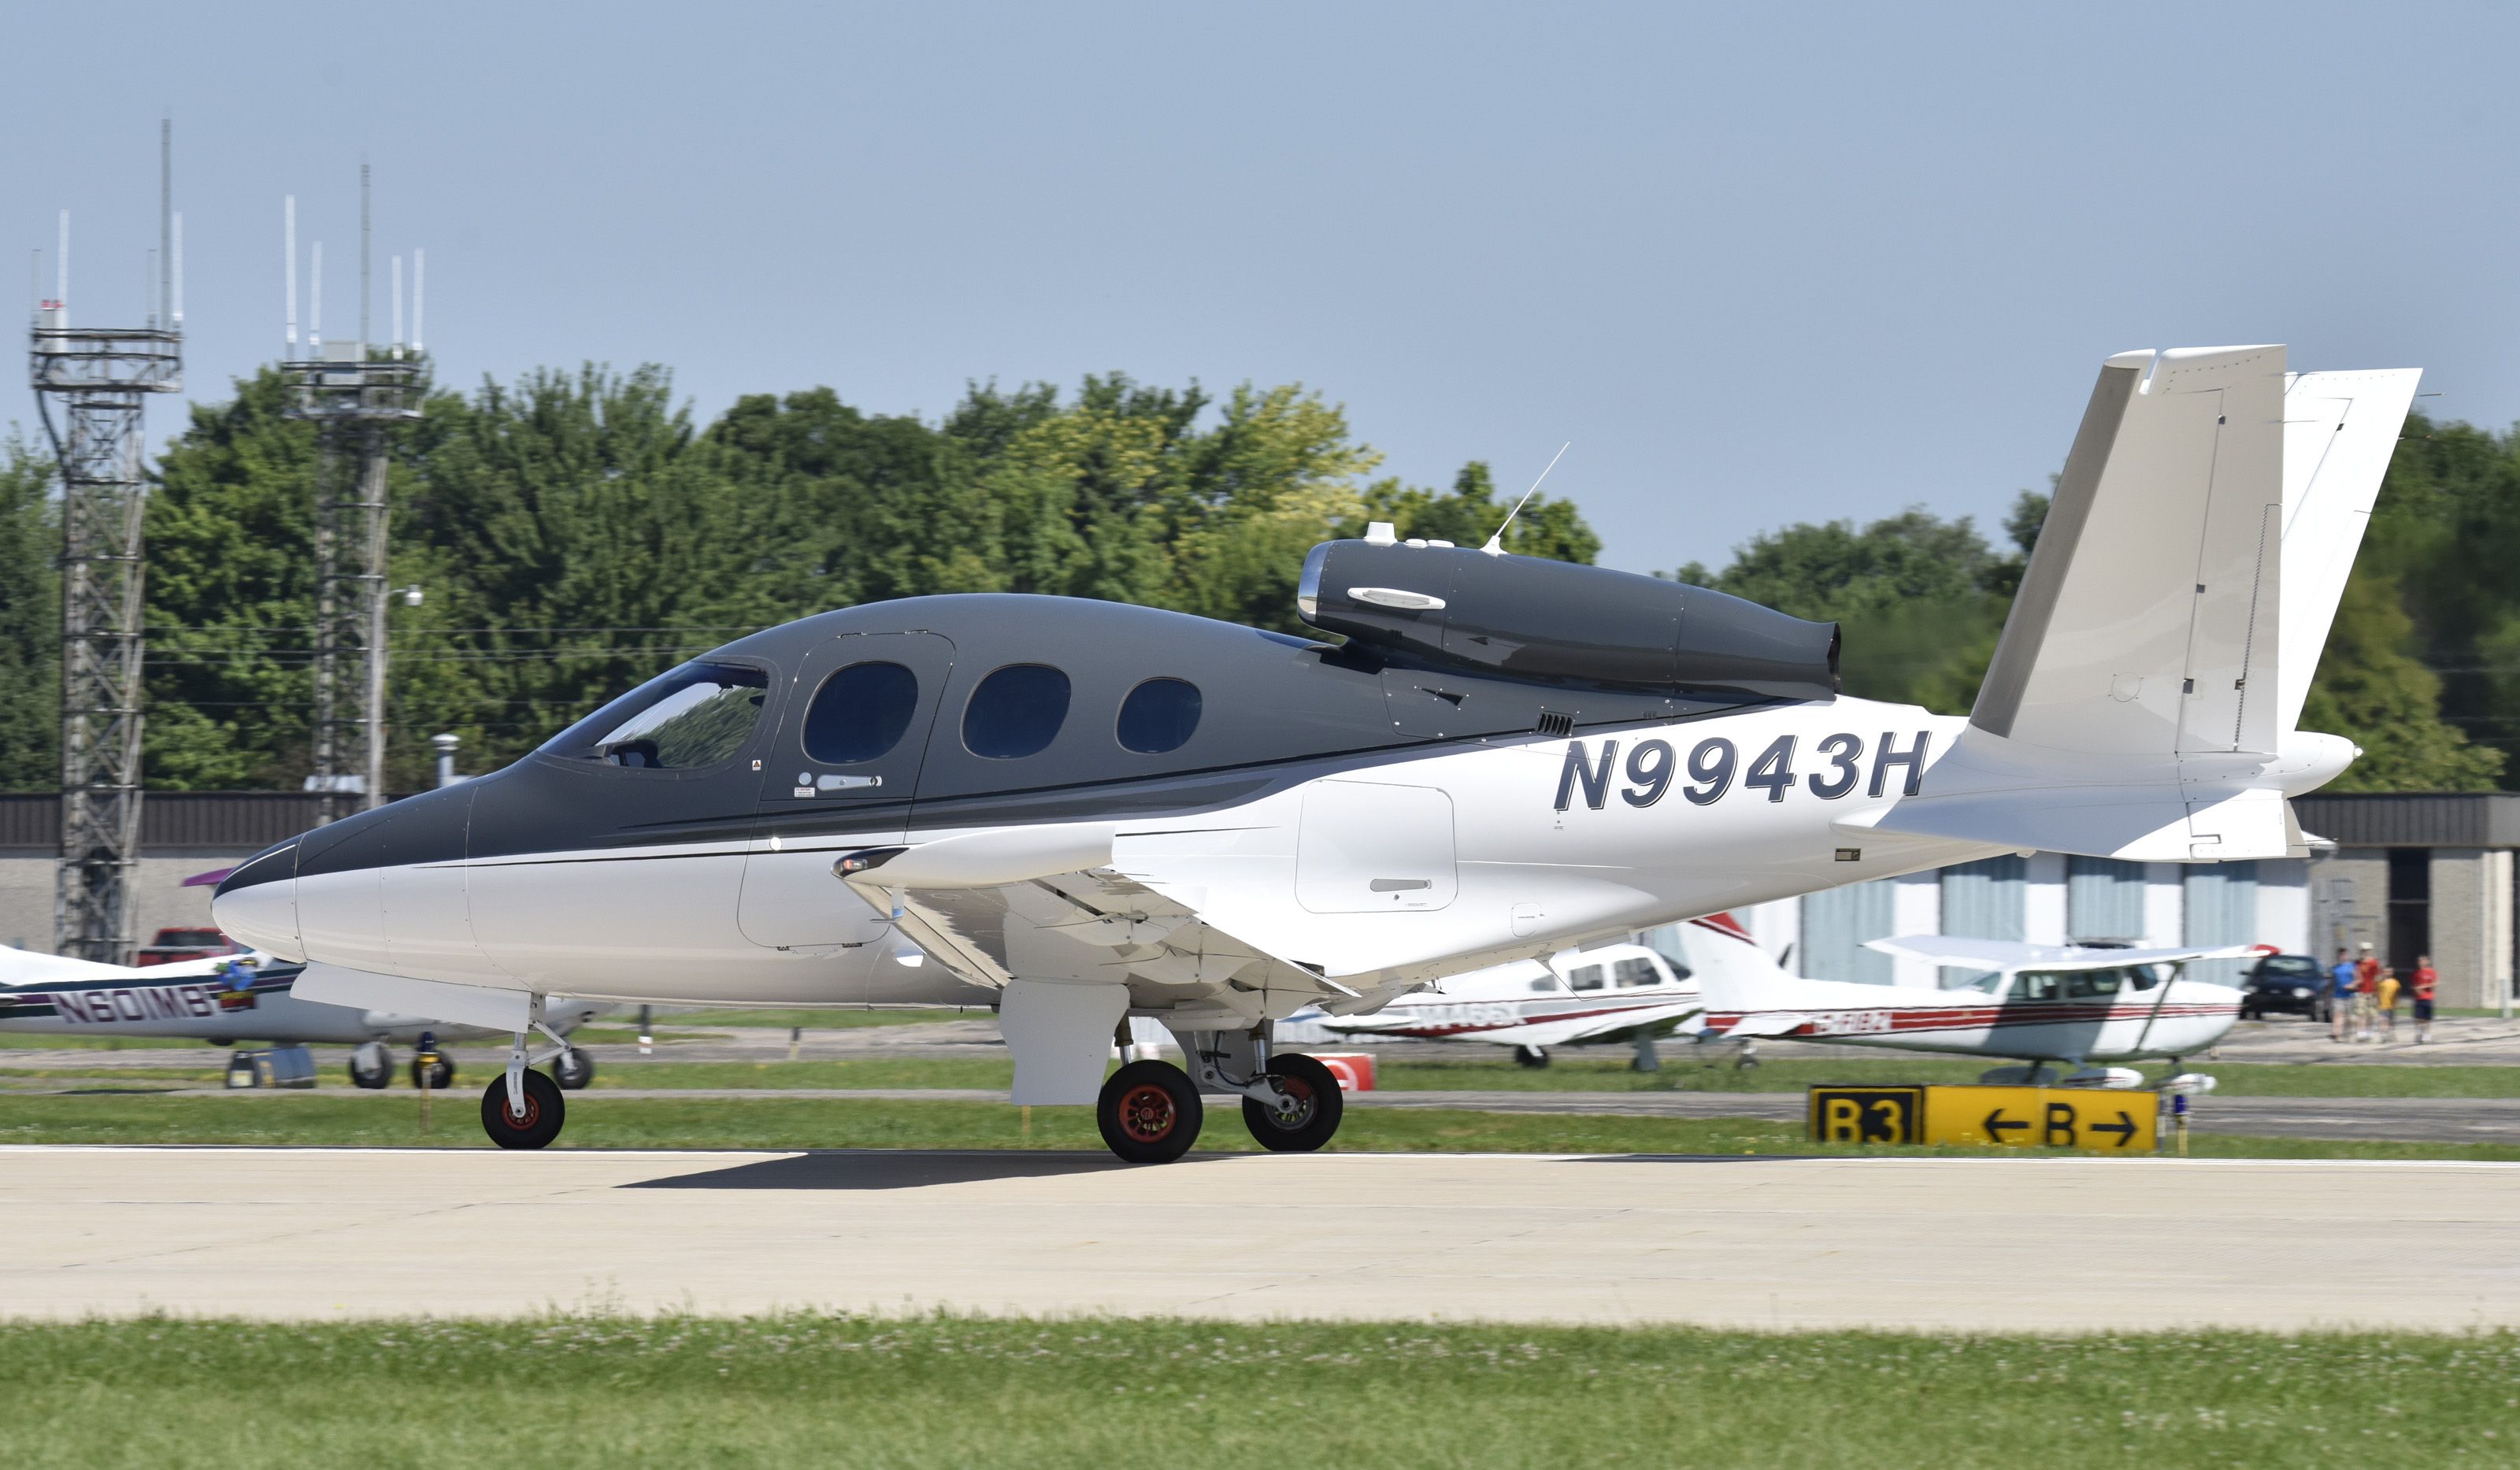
(682, 719)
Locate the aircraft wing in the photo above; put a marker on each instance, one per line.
(1046, 904)
(1578, 1030)
(1964, 954)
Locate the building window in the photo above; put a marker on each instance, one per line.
(1015, 712)
(2411, 907)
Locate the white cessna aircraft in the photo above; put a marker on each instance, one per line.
(1576, 998)
(1091, 811)
(2066, 1004)
(227, 999)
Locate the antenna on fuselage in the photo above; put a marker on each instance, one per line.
(1495, 543)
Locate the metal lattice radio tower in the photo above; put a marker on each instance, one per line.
(99, 378)
(354, 395)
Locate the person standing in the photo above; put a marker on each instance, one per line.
(2425, 979)
(2340, 997)
(2366, 991)
(2388, 1003)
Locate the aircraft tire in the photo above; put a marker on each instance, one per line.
(545, 1111)
(1149, 1112)
(1319, 1104)
(572, 1069)
(1530, 1057)
(440, 1077)
(373, 1078)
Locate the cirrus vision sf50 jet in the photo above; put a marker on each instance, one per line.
(1082, 811)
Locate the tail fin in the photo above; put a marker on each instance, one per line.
(2142, 703)
(2340, 429)
(2147, 622)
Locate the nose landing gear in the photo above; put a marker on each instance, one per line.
(523, 1109)
(532, 1126)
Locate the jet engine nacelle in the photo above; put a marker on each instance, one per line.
(1558, 622)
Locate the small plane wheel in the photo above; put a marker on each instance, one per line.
(544, 1113)
(1530, 1057)
(1315, 1115)
(572, 1069)
(440, 1077)
(379, 1074)
(1149, 1112)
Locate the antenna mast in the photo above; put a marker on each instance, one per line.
(354, 397)
(99, 378)
(1495, 543)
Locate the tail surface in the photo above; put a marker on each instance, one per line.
(2142, 703)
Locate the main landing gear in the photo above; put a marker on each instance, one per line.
(523, 1109)
(1530, 1057)
(1150, 1112)
(371, 1066)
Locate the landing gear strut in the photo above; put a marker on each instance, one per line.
(523, 1109)
(1530, 1057)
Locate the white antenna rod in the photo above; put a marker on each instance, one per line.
(1495, 543)
(289, 268)
(179, 271)
(397, 309)
(62, 281)
(164, 305)
(315, 305)
(364, 338)
(419, 267)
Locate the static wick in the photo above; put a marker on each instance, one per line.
(1495, 543)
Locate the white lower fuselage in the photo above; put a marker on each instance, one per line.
(1387, 872)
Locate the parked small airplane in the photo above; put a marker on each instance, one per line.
(229, 1000)
(1092, 811)
(1576, 998)
(2051, 1006)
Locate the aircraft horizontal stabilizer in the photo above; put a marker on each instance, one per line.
(1966, 954)
(2156, 823)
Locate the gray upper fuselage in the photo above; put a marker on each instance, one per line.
(1274, 709)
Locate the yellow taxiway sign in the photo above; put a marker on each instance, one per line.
(2095, 1119)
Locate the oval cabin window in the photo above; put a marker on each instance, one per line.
(860, 713)
(1015, 712)
(1159, 715)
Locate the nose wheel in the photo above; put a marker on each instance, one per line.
(1149, 1112)
(572, 1069)
(372, 1065)
(536, 1123)
(1307, 1117)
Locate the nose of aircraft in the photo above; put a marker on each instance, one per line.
(257, 903)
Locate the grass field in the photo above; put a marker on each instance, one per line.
(393, 1120)
(1102, 1393)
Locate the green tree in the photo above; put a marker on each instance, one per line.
(31, 620)
(2369, 691)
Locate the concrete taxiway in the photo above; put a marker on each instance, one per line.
(2047, 1244)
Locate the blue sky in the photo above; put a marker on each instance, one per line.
(1791, 264)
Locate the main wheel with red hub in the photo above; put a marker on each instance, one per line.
(1149, 1112)
(1313, 1107)
(537, 1125)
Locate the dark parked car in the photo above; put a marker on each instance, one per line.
(2293, 984)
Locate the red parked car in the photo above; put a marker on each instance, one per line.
(174, 945)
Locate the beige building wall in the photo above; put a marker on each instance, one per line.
(2471, 924)
(27, 894)
(2348, 901)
